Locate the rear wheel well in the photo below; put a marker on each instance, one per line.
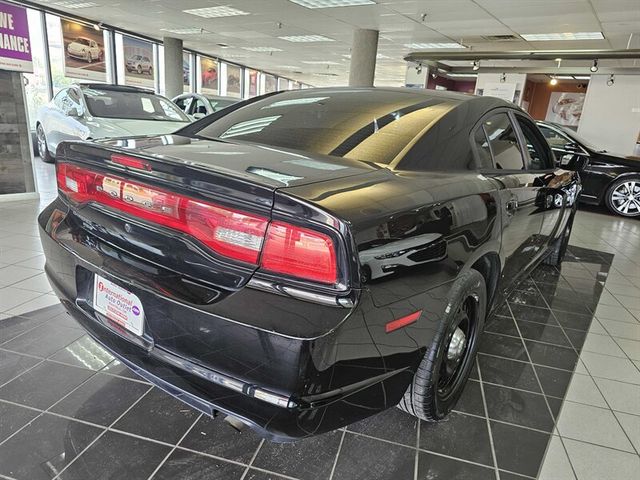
(489, 267)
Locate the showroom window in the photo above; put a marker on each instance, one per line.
(36, 83)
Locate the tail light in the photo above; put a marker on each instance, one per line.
(281, 248)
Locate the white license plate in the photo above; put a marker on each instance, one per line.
(118, 305)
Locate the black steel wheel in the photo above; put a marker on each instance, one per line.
(445, 368)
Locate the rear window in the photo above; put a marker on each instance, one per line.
(131, 105)
(356, 124)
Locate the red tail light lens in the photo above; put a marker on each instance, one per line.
(299, 252)
(231, 233)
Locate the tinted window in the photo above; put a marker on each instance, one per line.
(219, 103)
(357, 124)
(131, 105)
(539, 156)
(554, 138)
(482, 148)
(503, 141)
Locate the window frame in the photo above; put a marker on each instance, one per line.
(515, 116)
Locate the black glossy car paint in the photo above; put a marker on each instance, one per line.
(325, 348)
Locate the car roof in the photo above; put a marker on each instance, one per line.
(115, 88)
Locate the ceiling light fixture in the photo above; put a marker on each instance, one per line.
(594, 67)
(184, 31)
(547, 37)
(262, 49)
(553, 81)
(503, 77)
(462, 75)
(332, 3)
(476, 65)
(215, 12)
(444, 45)
(319, 62)
(75, 4)
(306, 38)
(611, 80)
(582, 77)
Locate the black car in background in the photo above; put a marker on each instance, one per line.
(609, 179)
(306, 259)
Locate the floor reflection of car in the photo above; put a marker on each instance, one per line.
(197, 105)
(139, 64)
(226, 263)
(85, 49)
(607, 178)
(91, 111)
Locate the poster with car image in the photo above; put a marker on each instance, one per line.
(139, 69)
(234, 85)
(83, 51)
(186, 69)
(209, 75)
(565, 108)
(270, 83)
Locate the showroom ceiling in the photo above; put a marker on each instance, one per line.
(312, 44)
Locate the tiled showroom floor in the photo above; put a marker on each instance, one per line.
(556, 393)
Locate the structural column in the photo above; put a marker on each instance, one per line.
(363, 58)
(172, 67)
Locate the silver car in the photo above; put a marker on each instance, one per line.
(92, 111)
(197, 105)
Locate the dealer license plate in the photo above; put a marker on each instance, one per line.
(118, 305)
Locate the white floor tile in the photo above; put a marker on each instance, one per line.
(619, 314)
(593, 425)
(38, 283)
(621, 329)
(596, 343)
(622, 397)
(13, 274)
(592, 462)
(555, 465)
(613, 368)
(12, 297)
(15, 255)
(631, 425)
(630, 347)
(37, 303)
(582, 389)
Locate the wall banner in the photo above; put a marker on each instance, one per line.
(139, 68)
(15, 45)
(83, 52)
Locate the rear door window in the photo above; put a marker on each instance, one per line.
(503, 142)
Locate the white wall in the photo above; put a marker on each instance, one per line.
(518, 78)
(611, 114)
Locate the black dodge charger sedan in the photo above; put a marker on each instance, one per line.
(306, 259)
(607, 179)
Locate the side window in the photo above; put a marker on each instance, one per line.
(482, 148)
(504, 142)
(554, 138)
(60, 97)
(181, 103)
(199, 107)
(539, 154)
(72, 101)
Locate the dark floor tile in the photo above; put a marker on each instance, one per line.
(474, 370)
(508, 372)
(502, 325)
(531, 299)
(44, 340)
(307, 459)
(13, 364)
(216, 437)
(518, 407)
(436, 467)
(534, 314)
(555, 404)
(43, 448)
(574, 320)
(543, 333)
(44, 384)
(115, 456)
(545, 274)
(85, 353)
(503, 310)
(471, 399)
(502, 346)
(551, 289)
(576, 337)
(363, 458)
(47, 313)
(158, 416)
(554, 382)
(512, 476)
(101, 399)
(120, 369)
(460, 436)
(551, 355)
(393, 424)
(14, 326)
(192, 466)
(13, 418)
(519, 449)
(253, 474)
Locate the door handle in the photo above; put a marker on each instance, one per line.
(512, 206)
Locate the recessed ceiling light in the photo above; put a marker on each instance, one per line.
(582, 77)
(215, 12)
(307, 38)
(379, 56)
(467, 75)
(262, 49)
(332, 3)
(541, 37)
(320, 62)
(433, 45)
(184, 31)
(73, 4)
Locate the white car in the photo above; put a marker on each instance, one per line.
(85, 49)
(93, 111)
(139, 64)
(197, 105)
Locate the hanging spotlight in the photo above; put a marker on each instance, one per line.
(553, 81)
(476, 65)
(611, 80)
(503, 78)
(419, 68)
(594, 67)
(96, 26)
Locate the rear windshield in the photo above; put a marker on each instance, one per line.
(131, 105)
(373, 126)
(220, 103)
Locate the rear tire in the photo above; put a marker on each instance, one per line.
(43, 149)
(441, 377)
(624, 194)
(559, 246)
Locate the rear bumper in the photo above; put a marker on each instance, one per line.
(324, 382)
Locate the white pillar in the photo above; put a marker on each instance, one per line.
(363, 58)
(172, 67)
